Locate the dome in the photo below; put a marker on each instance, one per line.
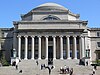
(50, 6)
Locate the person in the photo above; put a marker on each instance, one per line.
(42, 66)
(67, 69)
(20, 71)
(86, 63)
(93, 71)
(61, 70)
(71, 71)
(95, 67)
(49, 69)
(16, 67)
(52, 67)
(37, 62)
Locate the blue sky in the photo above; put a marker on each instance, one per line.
(11, 10)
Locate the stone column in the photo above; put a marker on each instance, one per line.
(54, 47)
(61, 47)
(75, 48)
(26, 46)
(14, 43)
(80, 52)
(68, 47)
(19, 47)
(39, 47)
(86, 44)
(46, 47)
(32, 47)
(82, 46)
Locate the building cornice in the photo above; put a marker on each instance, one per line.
(48, 21)
(94, 29)
(50, 12)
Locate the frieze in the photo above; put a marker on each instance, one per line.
(49, 33)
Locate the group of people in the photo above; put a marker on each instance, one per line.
(66, 70)
(43, 66)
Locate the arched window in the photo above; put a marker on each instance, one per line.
(50, 17)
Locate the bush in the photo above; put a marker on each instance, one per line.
(97, 62)
(4, 61)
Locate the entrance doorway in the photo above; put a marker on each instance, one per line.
(50, 55)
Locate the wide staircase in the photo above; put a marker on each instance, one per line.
(29, 67)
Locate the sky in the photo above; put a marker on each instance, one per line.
(10, 10)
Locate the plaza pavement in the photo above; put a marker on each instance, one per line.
(29, 67)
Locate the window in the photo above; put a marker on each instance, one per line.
(64, 54)
(71, 41)
(50, 39)
(4, 34)
(98, 44)
(36, 54)
(29, 40)
(50, 17)
(36, 40)
(64, 40)
(77, 41)
(98, 34)
(22, 40)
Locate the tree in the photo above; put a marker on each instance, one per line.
(4, 61)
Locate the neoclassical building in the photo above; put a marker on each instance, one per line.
(51, 31)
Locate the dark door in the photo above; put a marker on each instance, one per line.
(50, 55)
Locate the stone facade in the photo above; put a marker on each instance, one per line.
(51, 31)
(6, 42)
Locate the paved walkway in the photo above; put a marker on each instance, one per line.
(11, 70)
(31, 68)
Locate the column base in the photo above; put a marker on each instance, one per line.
(25, 59)
(39, 58)
(54, 58)
(75, 58)
(61, 58)
(69, 58)
(32, 58)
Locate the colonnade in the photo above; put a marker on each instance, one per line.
(82, 46)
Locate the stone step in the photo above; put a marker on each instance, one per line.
(29, 67)
(78, 70)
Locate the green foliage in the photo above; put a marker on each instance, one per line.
(97, 62)
(4, 61)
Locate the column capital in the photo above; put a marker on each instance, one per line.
(46, 36)
(19, 36)
(54, 36)
(74, 36)
(68, 36)
(81, 36)
(61, 36)
(39, 36)
(32, 36)
(26, 36)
